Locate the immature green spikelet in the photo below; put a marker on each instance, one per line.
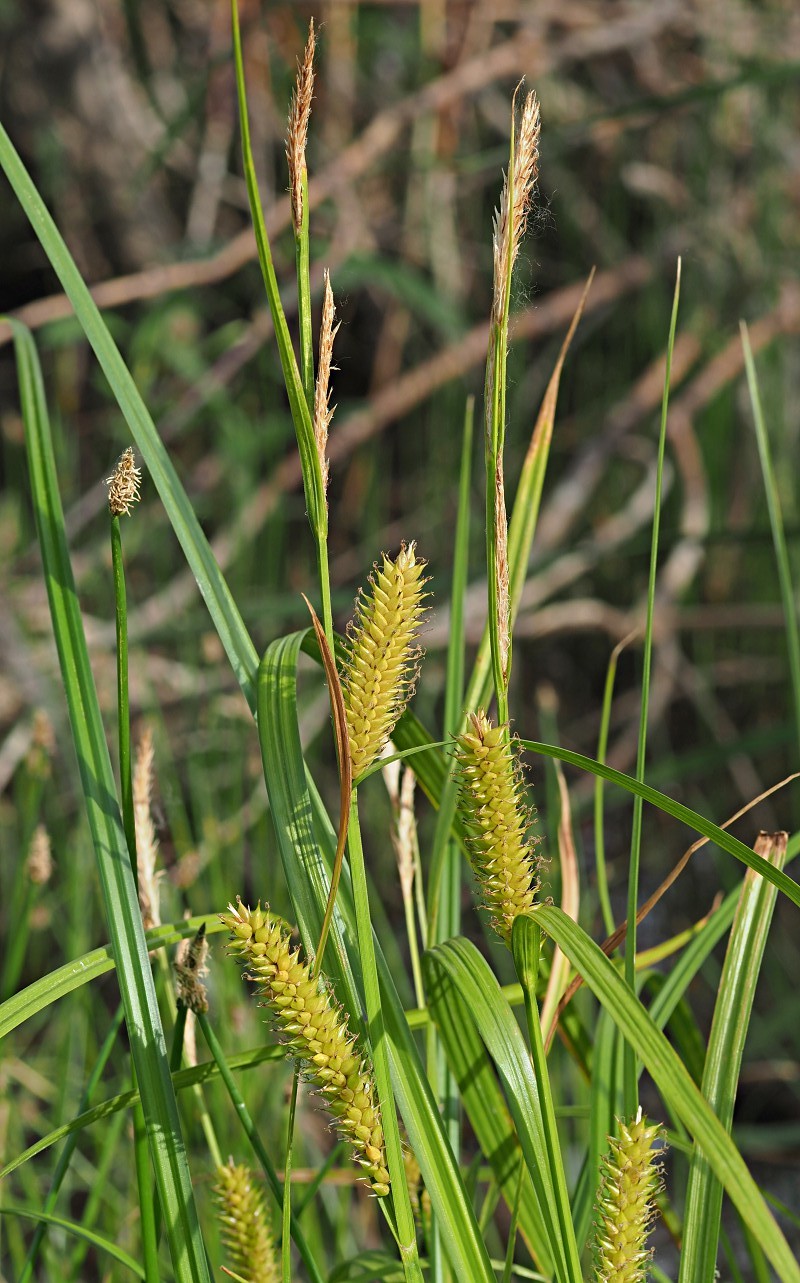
(382, 663)
(626, 1204)
(245, 1227)
(315, 1030)
(496, 822)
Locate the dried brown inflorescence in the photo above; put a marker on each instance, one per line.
(190, 968)
(245, 1227)
(146, 840)
(496, 822)
(383, 658)
(297, 133)
(315, 1030)
(323, 410)
(123, 485)
(39, 865)
(511, 217)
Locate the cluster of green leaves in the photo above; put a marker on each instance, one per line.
(473, 1058)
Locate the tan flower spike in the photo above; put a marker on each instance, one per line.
(123, 485)
(626, 1204)
(245, 1227)
(315, 1030)
(382, 663)
(496, 822)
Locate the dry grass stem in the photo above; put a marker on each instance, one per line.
(245, 1227)
(512, 216)
(497, 822)
(297, 133)
(123, 485)
(323, 410)
(383, 659)
(146, 840)
(315, 1031)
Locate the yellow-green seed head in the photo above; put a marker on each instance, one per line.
(383, 658)
(315, 1031)
(626, 1203)
(245, 1227)
(496, 822)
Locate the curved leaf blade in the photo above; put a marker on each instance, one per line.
(674, 1083)
(120, 898)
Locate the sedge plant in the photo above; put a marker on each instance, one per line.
(453, 1139)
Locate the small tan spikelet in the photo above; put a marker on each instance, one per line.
(315, 1030)
(626, 1203)
(383, 658)
(245, 1227)
(124, 485)
(496, 822)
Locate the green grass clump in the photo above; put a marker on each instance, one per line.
(470, 1088)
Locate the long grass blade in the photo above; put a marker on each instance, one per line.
(80, 971)
(675, 1084)
(79, 1231)
(723, 1061)
(459, 963)
(630, 1086)
(116, 878)
(782, 562)
(215, 592)
(693, 820)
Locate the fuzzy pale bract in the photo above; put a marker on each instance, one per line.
(626, 1203)
(123, 485)
(382, 662)
(315, 1031)
(496, 822)
(245, 1227)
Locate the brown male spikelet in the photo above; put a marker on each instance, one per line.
(496, 822)
(626, 1203)
(123, 485)
(297, 133)
(381, 667)
(245, 1227)
(315, 1031)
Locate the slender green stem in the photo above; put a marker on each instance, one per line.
(259, 1149)
(778, 533)
(508, 1267)
(149, 1227)
(405, 1226)
(630, 1077)
(286, 1228)
(325, 588)
(176, 1050)
(123, 706)
(144, 1174)
(599, 826)
(526, 949)
(304, 301)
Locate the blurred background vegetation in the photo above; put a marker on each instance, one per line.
(668, 129)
